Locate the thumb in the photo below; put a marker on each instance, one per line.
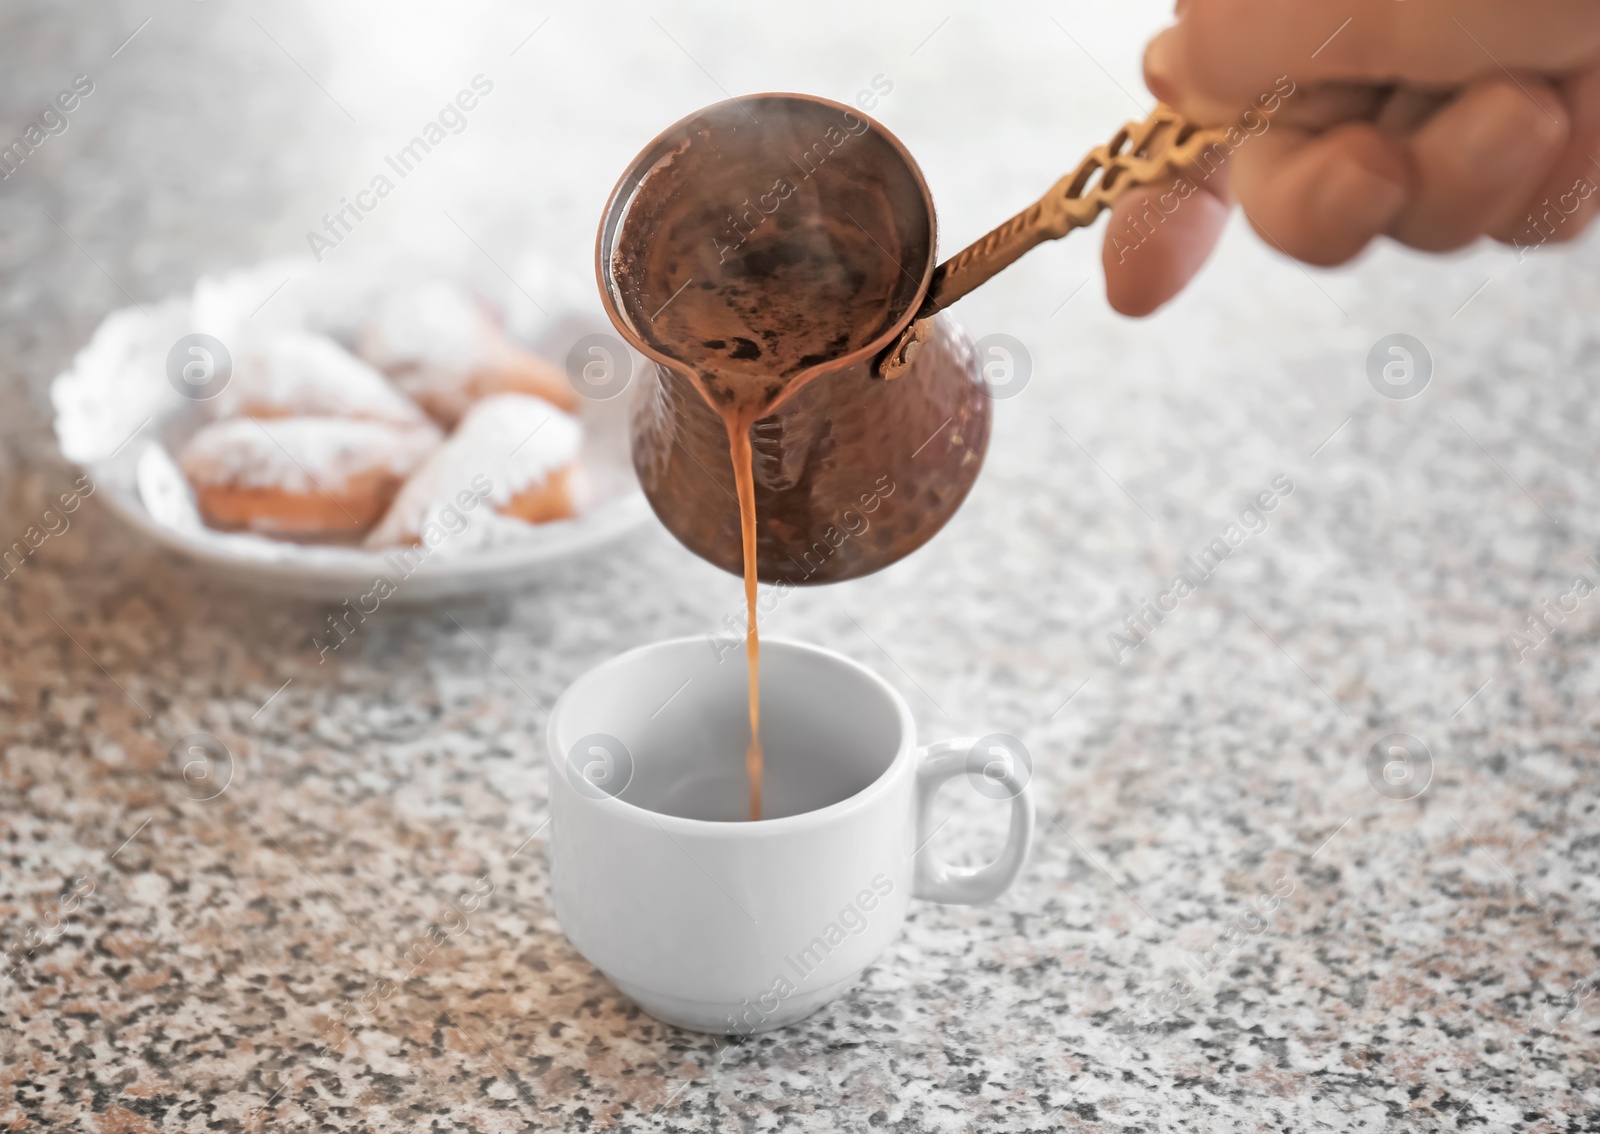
(1159, 237)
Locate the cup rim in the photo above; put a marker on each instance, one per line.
(744, 829)
(622, 193)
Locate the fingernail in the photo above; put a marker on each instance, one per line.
(1360, 196)
(1161, 65)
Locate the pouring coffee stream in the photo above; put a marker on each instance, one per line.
(814, 416)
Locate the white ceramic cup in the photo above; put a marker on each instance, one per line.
(717, 924)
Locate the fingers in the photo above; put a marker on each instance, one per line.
(1407, 108)
(1158, 238)
(1476, 162)
(1563, 206)
(1321, 198)
(1473, 167)
(1396, 118)
(1223, 53)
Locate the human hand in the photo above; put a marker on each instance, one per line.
(1430, 122)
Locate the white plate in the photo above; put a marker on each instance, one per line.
(118, 387)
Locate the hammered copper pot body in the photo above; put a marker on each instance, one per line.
(852, 473)
(852, 470)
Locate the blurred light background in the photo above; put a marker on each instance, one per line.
(219, 134)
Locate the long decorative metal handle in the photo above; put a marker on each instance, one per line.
(1138, 154)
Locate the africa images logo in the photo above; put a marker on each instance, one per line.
(452, 117)
(852, 919)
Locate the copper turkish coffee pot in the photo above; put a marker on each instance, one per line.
(870, 451)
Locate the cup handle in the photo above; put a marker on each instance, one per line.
(935, 879)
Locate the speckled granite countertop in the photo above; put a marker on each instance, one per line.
(1228, 923)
